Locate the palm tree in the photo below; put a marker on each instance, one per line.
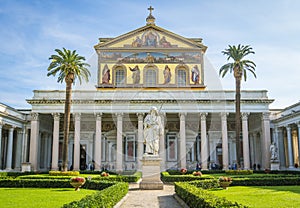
(70, 66)
(239, 67)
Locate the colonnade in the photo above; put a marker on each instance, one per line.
(182, 162)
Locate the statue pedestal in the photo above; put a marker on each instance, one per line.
(151, 173)
(274, 165)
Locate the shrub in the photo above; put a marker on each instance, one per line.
(239, 172)
(106, 198)
(65, 173)
(199, 198)
(167, 178)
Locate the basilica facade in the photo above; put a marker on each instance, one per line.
(144, 68)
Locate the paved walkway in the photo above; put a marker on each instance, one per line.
(150, 198)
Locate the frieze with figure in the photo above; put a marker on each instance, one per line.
(150, 57)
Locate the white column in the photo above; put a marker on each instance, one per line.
(298, 124)
(9, 148)
(224, 140)
(55, 141)
(140, 143)
(98, 142)
(290, 146)
(1, 124)
(76, 153)
(34, 136)
(119, 158)
(162, 147)
(266, 140)
(204, 142)
(18, 150)
(246, 152)
(182, 141)
(24, 144)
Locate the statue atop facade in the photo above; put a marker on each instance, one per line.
(152, 131)
(274, 152)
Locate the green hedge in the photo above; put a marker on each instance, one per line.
(63, 173)
(106, 198)
(266, 181)
(167, 178)
(50, 183)
(121, 178)
(199, 198)
(239, 172)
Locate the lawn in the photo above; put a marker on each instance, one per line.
(262, 196)
(40, 197)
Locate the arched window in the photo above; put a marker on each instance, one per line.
(119, 76)
(181, 77)
(150, 77)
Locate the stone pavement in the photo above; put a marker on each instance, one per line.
(150, 198)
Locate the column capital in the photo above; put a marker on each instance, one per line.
(77, 116)
(288, 127)
(265, 116)
(224, 115)
(140, 116)
(98, 116)
(245, 115)
(34, 116)
(56, 116)
(203, 116)
(119, 115)
(182, 115)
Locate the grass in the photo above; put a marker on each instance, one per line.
(262, 196)
(40, 197)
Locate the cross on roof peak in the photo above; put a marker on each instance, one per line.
(150, 9)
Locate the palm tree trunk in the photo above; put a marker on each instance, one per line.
(238, 119)
(69, 80)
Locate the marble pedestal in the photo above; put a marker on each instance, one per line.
(274, 165)
(151, 173)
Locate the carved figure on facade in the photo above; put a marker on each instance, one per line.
(274, 152)
(167, 74)
(105, 75)
(195, 74)
(135, 74)
(152, 131)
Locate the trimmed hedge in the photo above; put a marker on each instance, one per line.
(50, 183)
(106, 198)
(167, 178)
(266, 181)
(239, 172)
(65, 173)
(199, 198)
(121, 178)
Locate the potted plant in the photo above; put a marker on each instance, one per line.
(224, 181)
(197, 173)
(104, 174)
(183, 171)
(77, 182)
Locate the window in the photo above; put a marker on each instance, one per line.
(181, 77)
(130, 148)
(119, 77)
(150, 77)
(171, 148)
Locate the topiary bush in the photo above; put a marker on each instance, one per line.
(106, 198)
(64, 173)
(167, 178)
(196, 197)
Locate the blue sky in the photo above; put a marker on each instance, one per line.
(32, 29)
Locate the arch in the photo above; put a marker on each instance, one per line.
(150, 75)
(119, 75)
(182, 75)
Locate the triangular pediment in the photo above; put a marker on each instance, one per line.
(150, 36)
